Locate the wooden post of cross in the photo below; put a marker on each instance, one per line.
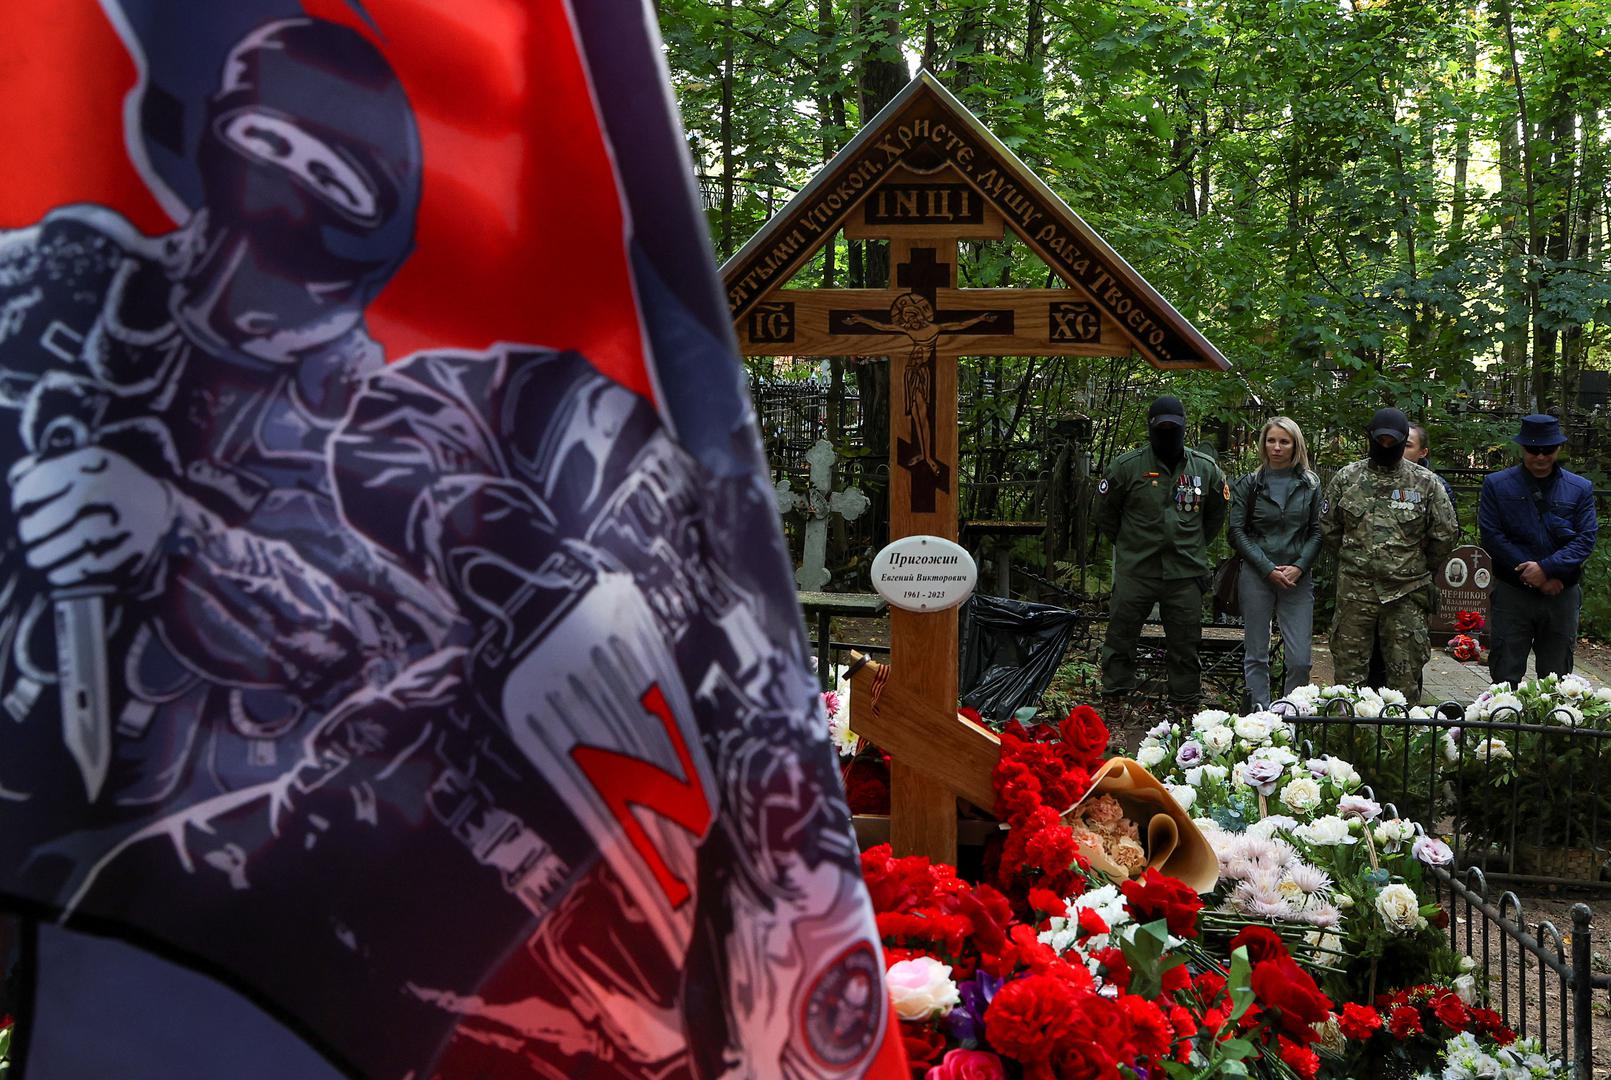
(924, 174)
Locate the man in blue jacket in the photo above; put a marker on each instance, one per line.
(1539, 524)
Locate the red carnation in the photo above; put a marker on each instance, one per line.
(1262, 943)
(1085, 737)
(1404, 1021)
(1299, 1058)
(923, 1044)
(1150, 1032)
(1358, 1022)
(1175, 979)
(1452, 1011)
(1029, 1017)
(1115, 968)
(1157, 896)
(1047, 902)
(1091, 923)
(1279, 983)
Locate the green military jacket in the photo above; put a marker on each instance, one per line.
(1391, 527)
(1162, 519)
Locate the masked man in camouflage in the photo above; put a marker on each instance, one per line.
(1391, 523)
(1162, 504)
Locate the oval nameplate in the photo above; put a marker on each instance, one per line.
(924, 573)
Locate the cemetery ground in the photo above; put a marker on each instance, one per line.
(1446, 679)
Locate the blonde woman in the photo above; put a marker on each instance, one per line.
(1275, 527)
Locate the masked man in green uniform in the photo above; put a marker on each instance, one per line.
(1391, 524)
(1162, 504)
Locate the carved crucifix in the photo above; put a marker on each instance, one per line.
(924, 175)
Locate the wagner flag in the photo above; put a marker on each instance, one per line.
(394, 622)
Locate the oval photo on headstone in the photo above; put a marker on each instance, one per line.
(924, 573)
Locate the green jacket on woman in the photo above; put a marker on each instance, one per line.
(1276, 535)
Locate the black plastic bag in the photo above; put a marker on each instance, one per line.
(1010, 651)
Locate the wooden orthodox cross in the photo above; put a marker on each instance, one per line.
(923, 175)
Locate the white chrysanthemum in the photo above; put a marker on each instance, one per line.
(1308, 877)
(1324, 914)
(1368, 704)
(844, 740)
(1390, 696)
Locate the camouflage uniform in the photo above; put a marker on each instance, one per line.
(1391, 526)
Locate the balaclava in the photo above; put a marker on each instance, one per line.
(1388, 422)
(1166, 430)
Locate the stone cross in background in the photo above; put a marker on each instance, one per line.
(819, 500)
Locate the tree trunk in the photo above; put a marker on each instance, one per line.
(727, 131)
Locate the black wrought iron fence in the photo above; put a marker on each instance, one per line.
(1541, 982)
(1520, 799)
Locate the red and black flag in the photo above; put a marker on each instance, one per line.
(394, 622)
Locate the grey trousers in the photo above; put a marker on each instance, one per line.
(1525, 620)
(1295, 609)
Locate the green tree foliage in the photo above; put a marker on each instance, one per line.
(1356, 200)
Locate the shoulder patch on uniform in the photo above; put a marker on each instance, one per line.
(1102, 488)
(1325, 505)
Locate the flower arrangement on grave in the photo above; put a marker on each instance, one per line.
(1516, 749)
(1442, 1029)
(1465, 646)
(1302, 848)
(1049, 969)
(863, 767)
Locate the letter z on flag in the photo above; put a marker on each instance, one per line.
(401, 666)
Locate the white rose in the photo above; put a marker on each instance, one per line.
(1218, 739)
(1149, 756)
(1264, 828)
(1466, 987)
(1302, 795)
(1399, 908)
(1210, 718)
(1327, 831)
(1390, 696)
(1215, 773)
(1255, 729)
(921, 987)
(1368, 704)
(1343, 774)
(1184, 794)
(1194, 775)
